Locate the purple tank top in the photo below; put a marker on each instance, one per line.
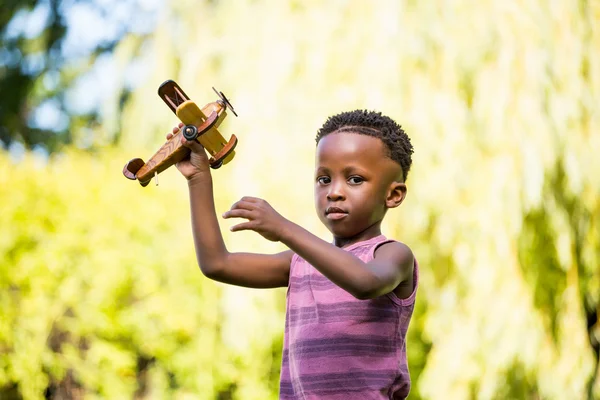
(338, 347)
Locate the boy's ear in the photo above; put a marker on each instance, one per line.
(396, 194)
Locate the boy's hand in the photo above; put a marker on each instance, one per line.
(262, 218)
(197, 162)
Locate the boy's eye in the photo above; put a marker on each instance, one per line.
(323, 180)
(355, 180)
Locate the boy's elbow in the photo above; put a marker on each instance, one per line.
(212, 270)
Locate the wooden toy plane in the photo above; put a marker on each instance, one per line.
(200, 125)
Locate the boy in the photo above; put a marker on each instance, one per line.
(349, 302)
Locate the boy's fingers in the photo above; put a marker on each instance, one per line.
(241, 227)
(242, 204)
(193, 145)
(238, 214)
(250, 199)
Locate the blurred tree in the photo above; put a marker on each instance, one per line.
(46, 46)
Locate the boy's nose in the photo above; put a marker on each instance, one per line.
(335, 193)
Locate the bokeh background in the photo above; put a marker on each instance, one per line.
(100, 294)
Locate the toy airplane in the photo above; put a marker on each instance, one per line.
(200, 125)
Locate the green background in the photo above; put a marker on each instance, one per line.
(100, 294)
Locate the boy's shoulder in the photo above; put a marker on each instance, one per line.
(393, 245)
(396, 251)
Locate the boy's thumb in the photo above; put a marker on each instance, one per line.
(193, 145)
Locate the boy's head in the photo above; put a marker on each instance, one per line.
(362, 162)
(374, 124)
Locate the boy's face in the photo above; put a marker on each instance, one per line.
(355, 184)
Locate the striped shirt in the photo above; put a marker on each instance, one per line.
(338, 347)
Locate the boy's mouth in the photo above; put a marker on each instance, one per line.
(335, 213)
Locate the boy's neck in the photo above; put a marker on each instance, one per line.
(369, 233)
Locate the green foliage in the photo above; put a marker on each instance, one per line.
(100, 290)
(519, 385)
(541, 267)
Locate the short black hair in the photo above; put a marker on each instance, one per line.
(373, 123)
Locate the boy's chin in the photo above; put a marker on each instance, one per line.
(340, 232)
(340, 228)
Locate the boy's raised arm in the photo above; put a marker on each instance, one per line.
(242, 269)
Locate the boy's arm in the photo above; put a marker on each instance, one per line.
(392, 264)
(242, 269)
